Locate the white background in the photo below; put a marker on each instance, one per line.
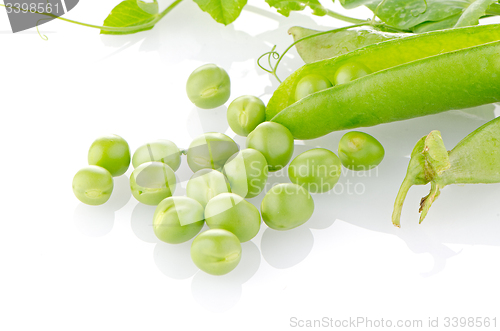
(68, 266)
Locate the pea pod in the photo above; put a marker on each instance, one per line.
(410, 77)
(325, 46)
(475, 160)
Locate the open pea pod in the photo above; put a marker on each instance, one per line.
(410, 77)
(475, 160)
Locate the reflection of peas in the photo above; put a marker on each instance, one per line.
(208, 86)
(110, 152)
(360, 151)
(151, 182)
(177, 219)
(93, 185)
(216, 251)
(317, 170)
(310, 84)
(349, 72)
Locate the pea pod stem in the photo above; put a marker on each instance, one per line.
(474, 160)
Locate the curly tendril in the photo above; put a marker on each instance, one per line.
(276, 56)
(271, 55)
(43, 36)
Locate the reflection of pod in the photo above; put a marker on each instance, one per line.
(48, 9)
(413, 76)
(474, 160)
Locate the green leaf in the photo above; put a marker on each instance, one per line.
(222, 11)
(131, 13)
(406, 14)
(284, 7)
(349, 4)
(447, 23)
(475, 11)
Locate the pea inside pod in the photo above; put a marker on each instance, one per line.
(413, 76)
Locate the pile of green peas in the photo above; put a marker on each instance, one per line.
(223, 175)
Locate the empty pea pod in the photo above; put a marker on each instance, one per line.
(408, 77)
(474, 160)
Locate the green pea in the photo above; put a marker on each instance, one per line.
(110, 152)
(245, 113)
(231, 212)
(360, 151)
(208, 86)
(216, 251)
(247, 172)
(151, 182)
(159, 150)
(210, 151)
(286, 206)
(206, 184)
(93, 185)
(318, 170)
(349, 72)
(311, 84)
(177, 219)
(274, 141)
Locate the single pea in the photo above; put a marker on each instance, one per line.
(206, 184)
(110, 152)
(161, 150)
(245, 113)
(349, 72)
(208, 86)
(311, 84)
(286, 206)
(177, 219)
(360, 151)
(231, 212)
(151, 182)
(210, 151)
(93, 185)
(317, 170)
(216, 251)
(274, 141)
(247, 172)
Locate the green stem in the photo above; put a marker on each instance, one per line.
(345, 18)
(111, 28)
(400, 199)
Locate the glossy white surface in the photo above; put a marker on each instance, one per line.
(68, 266)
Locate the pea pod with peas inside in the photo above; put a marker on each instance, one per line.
(475, 160)
(405, 78)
